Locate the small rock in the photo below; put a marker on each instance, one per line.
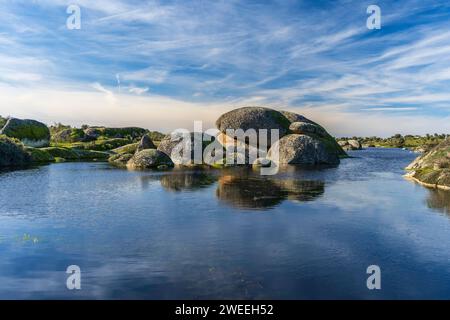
(307, 128)
(149, 158)
(262, 162)
(145, 143)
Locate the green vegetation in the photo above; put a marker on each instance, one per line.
(280, 119)
(99, 138)
(70, 144)
(433, 167)
(75, 154)
(39, 155)
(330, 144)
(120, 159)
(97, 145)
(12, 152)
(156, 136)
(58, 154)
(420, 143)
(26, 130)
(2, 122)
(128, 148)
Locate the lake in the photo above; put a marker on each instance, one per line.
(224, 234)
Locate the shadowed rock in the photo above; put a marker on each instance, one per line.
(12, 153)
(149, 159)
(307, 128)
(145, 143)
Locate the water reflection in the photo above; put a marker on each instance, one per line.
(439, 200)
(242, 187)
(253, 192)
(187, 181)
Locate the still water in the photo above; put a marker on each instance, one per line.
(183, 234)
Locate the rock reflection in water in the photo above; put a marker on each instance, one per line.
(247, 191)
(439, 200)
(187, 180)
(242, 187)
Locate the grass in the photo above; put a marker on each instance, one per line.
(2, 122)
(97, 145)
(12, 152)
(426, 142)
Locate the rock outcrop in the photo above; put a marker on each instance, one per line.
(12, 153)
(30, 132)
(307, 128)
(149, 159)
(254, 118)
(175, 146)
(301, 140)
(350, 144)
(303, 150)
(432, 169)
(145, 143)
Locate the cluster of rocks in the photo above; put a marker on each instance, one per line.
(350, 144)
(89, 134)
(144, 155)
(300, 141)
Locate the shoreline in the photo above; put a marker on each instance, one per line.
(428, 185)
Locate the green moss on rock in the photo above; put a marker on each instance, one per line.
(432, 168)
(39, 155)
(74, 154)
(2, 122)
(12, 153)
(121, 159)
(128, 148)
(30, 132)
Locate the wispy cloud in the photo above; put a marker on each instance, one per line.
(308, 57)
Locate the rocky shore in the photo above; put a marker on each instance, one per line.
(300, 142)
(432, 169)
(29, 142)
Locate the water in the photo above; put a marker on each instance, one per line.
(303, 234)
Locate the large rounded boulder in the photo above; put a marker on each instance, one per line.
(180, 146)
(303, 150)
(149, 159)
(30, 132)
(254, 118)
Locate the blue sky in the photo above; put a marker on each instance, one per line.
(164, 64)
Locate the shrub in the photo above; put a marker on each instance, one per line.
(12, 153)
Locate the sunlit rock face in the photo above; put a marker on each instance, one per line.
(303, 150)
(433, 168)
(300, 141)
